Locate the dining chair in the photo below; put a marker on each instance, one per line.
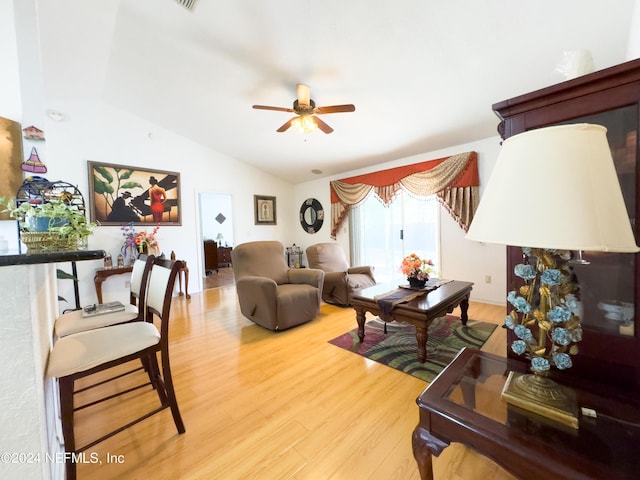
(73, 322)
(86, 353)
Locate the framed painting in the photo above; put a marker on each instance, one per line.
(120, 194)
(10, 160)
(265, 210)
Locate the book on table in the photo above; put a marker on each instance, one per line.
(102, 308)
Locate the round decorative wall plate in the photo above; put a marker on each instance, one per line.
(311, 215)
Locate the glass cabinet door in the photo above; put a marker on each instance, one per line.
(607, 282)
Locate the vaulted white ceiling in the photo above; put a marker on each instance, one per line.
(422, 74)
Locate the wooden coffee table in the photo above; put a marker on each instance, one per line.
(419, 312)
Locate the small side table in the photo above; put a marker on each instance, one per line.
(463, 404)
(103, 273)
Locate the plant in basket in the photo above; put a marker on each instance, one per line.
(50, 225)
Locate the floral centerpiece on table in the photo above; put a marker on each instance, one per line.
(417, 270)
(546, 311)
(136, 243)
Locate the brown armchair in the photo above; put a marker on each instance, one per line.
(270, 293)
(340, 280)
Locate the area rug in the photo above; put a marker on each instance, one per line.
(398, 347)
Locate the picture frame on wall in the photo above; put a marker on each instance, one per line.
(265, 210)
(120, 194)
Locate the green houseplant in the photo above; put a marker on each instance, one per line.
(50, 225)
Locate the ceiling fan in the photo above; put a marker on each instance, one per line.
(306, 111)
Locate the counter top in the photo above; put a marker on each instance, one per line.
(14, 258)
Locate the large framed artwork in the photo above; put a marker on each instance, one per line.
(264, 209)
(121, 194)
(10, 160)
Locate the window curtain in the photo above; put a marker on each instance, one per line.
(453, 179)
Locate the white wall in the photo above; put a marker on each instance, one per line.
(633, 50)
(460, 258)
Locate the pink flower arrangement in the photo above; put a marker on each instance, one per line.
(415, 267)
(141, 241)
(147, 241)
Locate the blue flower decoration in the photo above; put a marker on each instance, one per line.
(523, 332)
(539, 364)
(526, 251)
(562, 361)
(519, 347)
(561, 336)
(509, 323)
(552, 276)
(519, 303)
(527, 272)
(573, 304)
(558, 314)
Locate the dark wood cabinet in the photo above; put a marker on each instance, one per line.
(215, 256)
(610, 284)
(224, 256)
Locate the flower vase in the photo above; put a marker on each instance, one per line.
(129, 254)
(416, 282)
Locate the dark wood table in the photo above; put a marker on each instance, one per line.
(463, 405)
(420, 311)
(103, 273)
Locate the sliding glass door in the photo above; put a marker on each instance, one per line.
(381, 236)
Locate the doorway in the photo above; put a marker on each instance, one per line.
(216, 222)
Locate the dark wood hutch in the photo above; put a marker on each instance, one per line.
(610, 349)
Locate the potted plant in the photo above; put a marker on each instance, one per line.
(62, 223)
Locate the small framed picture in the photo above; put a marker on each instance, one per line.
(265, 209)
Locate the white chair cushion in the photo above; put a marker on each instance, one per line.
(73, 322)
(85, 350)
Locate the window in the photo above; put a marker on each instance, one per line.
(381, 236)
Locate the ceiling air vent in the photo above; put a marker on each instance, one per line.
(188, 4)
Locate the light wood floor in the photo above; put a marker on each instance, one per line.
(264, 405)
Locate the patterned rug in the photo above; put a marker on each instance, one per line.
(398, 348)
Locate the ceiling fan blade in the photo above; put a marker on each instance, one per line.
(277, 109)
(335, 109)
(322, 125)
(304, 94)
(286, 125)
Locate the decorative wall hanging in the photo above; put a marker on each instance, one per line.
(10, 159)
(121, 194)
(33, 133)
(33, 163)
(453, 179)
(264, 209)
(311, 215)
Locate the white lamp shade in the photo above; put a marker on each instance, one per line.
(555, 187)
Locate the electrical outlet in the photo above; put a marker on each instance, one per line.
(127, 284)
(487, 279)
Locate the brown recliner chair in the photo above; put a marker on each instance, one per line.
(270, 293)
(340, 280)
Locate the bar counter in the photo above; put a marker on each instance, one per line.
(14, 258)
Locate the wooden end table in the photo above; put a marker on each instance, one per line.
(419, 312)
(103, 273)
(463, 404)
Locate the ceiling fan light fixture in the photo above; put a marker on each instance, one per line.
(304, 124)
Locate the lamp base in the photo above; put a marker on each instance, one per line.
(541, 396)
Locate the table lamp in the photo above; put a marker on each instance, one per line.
(553, 191)
(219, 239)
